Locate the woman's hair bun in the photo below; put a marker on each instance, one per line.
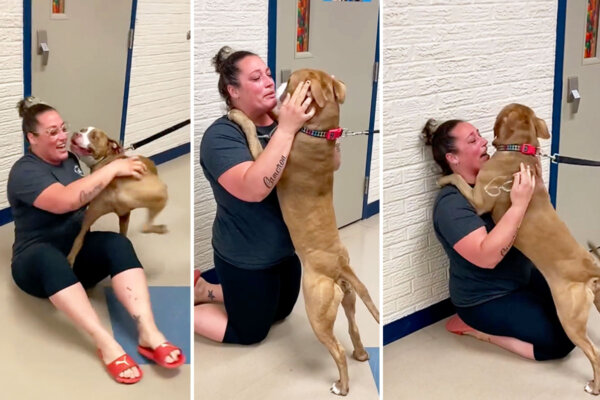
(219, 59)
(25, 104)
(429, 130)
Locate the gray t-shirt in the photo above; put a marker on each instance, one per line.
(245, 234)
(28, 177)
(453, 219)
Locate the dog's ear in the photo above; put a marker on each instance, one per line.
(114, 147)
(319, 93)
(541, 129)
(339, 89)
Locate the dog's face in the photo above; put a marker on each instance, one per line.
(517, 124)
(327, 93)
(92, 144)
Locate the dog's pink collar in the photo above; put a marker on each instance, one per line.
(331, 134)
(527, 149)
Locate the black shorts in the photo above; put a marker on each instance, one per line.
(527, 314)
(42, 269)
(255, 299)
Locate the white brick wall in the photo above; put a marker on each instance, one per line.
(216, 24)
(159, 90)
(460, 59)
(11, 89)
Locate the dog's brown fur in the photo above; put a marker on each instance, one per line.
(305, 193)
(570, 270)
(122, 194)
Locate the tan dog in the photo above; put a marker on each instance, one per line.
(123, 194)
(570, 270)
(305, 193)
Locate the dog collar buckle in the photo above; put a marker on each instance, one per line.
(333, 134)
(528, 149)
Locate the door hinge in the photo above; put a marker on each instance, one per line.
(376, 72)
(130, 44)
(366, 185)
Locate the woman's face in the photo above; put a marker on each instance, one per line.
(50, 143)
(255, 94)
(471, 150)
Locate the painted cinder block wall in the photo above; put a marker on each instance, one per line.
(244, 27)
(159, 94)
(462, 59)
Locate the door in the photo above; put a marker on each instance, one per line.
(341, 40)
(83, 76)
(578, 187)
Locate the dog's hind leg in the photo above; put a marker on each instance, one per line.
(153, 211)
(322, 299)
(573, 311)
(349, 304)
(95, 210)
(124, 223)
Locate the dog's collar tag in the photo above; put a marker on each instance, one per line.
(331, 134)
(527, 149)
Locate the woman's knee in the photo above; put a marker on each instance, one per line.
(246, 335)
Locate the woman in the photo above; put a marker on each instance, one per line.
(499, 295)
(258, 270)
(48, 195)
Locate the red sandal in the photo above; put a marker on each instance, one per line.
(159, 354)
(119, 365)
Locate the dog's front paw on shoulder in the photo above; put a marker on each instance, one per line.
(444, 180)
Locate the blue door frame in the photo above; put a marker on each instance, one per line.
(368, 209)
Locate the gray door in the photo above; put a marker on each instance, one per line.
(578, 188)
(342, 38)
(84, 77)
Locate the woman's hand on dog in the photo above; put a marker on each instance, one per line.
(523, 187)
(132, 166)
(294, 111)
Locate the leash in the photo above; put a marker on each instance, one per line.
(158, 135)
(556, 158)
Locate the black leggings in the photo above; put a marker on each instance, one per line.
(255, 299)
(527, 314)
(42, 269)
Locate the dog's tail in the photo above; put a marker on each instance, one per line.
(349, 275)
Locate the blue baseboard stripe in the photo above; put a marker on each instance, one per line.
(5, 216)
(371, 209)
(411, 323)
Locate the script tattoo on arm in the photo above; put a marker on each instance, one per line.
(508, 246)
(86, 197)
(269, 181)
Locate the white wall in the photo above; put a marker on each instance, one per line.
(375, 175)
(216, 24)
(448, 59)
(159, 89)
(11, 89)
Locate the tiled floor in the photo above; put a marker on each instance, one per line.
(291, 363)
(45, 357)
(434, 364)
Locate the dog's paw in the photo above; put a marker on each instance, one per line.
(360, 355)
(337, 390)
(444, 180)
(589, 389)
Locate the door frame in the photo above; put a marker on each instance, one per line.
(367, 209)
(561, 21)
(27, 47)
